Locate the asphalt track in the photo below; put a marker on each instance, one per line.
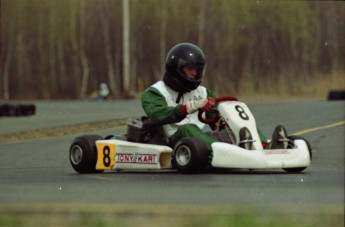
(38, 171)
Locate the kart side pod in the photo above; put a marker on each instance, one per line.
(118, 154)
(230, 156)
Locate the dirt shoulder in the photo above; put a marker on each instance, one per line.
(61, 130)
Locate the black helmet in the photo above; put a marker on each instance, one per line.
(181, 55)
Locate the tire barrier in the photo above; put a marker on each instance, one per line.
(336, 95)
(16, 110)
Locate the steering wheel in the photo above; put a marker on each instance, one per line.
(217, 100)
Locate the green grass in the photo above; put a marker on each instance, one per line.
(117, 215)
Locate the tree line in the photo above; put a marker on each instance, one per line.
(63, 49)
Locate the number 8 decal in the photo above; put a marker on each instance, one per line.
(106, 156)
(241, 112)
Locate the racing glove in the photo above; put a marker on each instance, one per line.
(194, 105)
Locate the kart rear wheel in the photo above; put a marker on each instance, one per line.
(83, 154)
(190, 155)
(298, 169)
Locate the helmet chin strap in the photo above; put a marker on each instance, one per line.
(179, 96)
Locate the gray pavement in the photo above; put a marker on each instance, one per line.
(37, 172)
(63, 113)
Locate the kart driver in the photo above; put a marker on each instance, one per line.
(174, 101)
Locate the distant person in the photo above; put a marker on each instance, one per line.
(103, 92)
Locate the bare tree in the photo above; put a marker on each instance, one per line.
(202, 14)
(73, 37)
(43, 55)
(163, 30)
(126, 48)
(7, 64)
(52, 49)
(82, 51)
(103, 14)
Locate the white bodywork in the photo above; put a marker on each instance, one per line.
(129, 155)
(238, 115)
(230, 156)
(118, 154)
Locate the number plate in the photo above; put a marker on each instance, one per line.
(105, 156)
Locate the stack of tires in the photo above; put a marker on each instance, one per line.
(15, 110)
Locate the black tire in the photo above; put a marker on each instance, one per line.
(27, 109)
(336, 95)
(190, 155)
(298, 169)
(83, 154)
(4, 109)
(12, 110)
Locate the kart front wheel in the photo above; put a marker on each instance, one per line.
(298, 169)
(190, 155)
(83, 154)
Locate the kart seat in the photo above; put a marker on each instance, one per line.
(145, 131)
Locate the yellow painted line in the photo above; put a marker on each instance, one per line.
(319, 128)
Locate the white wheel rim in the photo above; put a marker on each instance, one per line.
(76, 154)
(183, 155)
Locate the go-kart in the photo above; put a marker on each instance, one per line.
(145, 147)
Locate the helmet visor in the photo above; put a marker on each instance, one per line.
(191, 71)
